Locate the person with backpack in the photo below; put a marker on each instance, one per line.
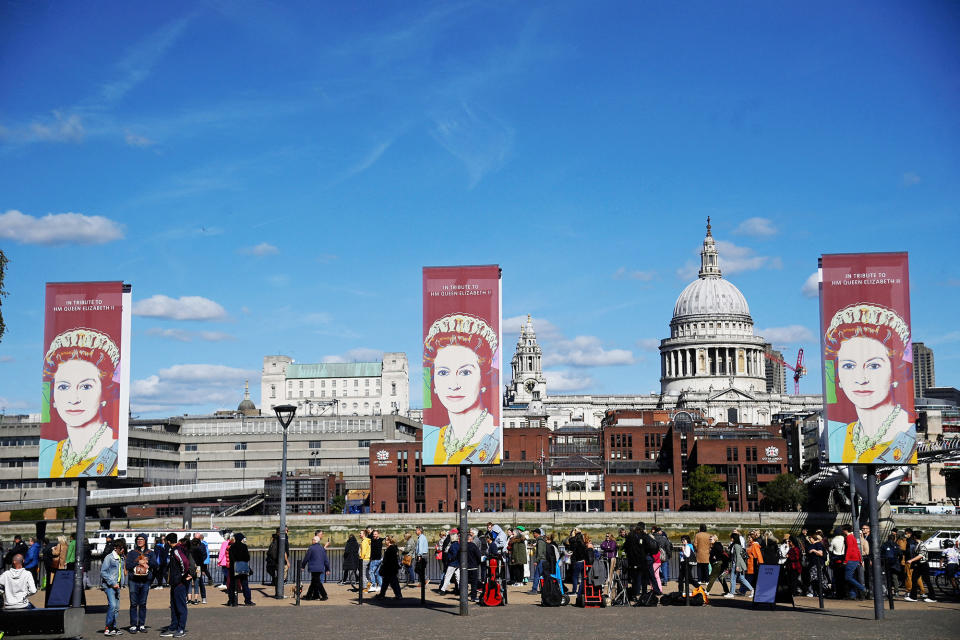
(666, 552)
(919, 561)
(179, 576)
(160, 550)
(273, 557)
(793, 565)
(650, 553)
(816, 557)
(739, 563)
(140, 564)
(239, 572)
(540, 556)
(890, 559)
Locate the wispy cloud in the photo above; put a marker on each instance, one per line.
(6, 358)
(950, 336)
(541, 326)
(135, 140)
(733, 259)
(791, 334)
(628, 274)
(191, 385)
(360, 354)
(138, 63)
(757, 227)
(811, 287)
(478, 139)
(367, 161)
(183, 308)
(58, 228)
(585, 351)
(649, 344)
(183, 335)
(909, 179)
(260, 250)
(567, 380)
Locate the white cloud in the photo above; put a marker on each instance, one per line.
(586, 351)
(182, 335)
(759, 227)
(60, 128)
(649, 344)
(326, 258)
(191, 385)
(811, 288)
(733, 259)
(541, 326)
(479, 140)
(910, 178)
(567, 381)
(8, 404)
(58, 228)
(360, 354)
(260, 250)
(7, 359)
(183, 308)
(625, 274)
(135, 140)
(786, 335)
(951, 336)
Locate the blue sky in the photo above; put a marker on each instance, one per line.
(271, 177)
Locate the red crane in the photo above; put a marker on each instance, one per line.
(798, 371)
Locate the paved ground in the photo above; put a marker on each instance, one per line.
(341, 617)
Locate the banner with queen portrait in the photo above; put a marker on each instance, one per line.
(461, 366)
(867, 359)
(85, 402)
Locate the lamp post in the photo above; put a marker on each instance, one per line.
(285, 413)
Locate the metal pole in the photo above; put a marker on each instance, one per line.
(282, 534)
(874, 542)
(464, 532)
(80, 547)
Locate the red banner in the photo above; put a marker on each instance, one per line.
(461, 365)
(867, 358)
(84, 410)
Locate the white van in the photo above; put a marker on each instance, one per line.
(213, 537)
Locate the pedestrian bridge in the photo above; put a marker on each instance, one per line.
(195, 492)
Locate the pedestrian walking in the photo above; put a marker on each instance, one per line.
(317, 563)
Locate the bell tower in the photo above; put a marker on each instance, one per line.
(528, 383)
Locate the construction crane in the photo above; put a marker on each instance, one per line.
(798, 371)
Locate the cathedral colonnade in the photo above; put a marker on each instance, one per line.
(720, 360)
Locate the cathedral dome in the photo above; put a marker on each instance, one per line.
(710, 297)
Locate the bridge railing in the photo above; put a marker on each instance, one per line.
(213, 487)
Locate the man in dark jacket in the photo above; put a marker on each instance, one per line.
(636, 560)
(389, 569)
(178, 578)
(239, 553)
(317, 563)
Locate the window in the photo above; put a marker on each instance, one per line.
(393, 388)
(363, 462)
(190, 447)
(356, 383)
(273, 391)
(363, 443)
(333, 383)
(239, 464)
(190, 465)
(315, 462)
(240, 446)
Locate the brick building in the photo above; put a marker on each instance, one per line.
(636, 461)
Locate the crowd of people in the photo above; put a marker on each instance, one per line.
(812, 564)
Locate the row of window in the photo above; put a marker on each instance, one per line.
(333, 383)
(19, 441)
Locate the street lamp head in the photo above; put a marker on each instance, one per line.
(285, 413)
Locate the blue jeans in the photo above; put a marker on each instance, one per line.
(738, 575)
(113, 606)
(178, 607)
(665, 570)
(138, 602)
(850, 575)
(537, 574)
(375, 578)
(577, 577)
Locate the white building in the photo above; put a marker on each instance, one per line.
(337, 388)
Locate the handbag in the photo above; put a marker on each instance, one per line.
(241, 568)
(407, 560)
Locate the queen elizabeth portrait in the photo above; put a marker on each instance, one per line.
(460, 353)
(79, 370)
(868, 357)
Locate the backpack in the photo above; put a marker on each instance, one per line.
(743, 554)
(667, 546)
(648, 599)
(649, 544)
(551, 593)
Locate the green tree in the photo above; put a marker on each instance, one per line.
(338, 503)
(3, 271)
(784, 493)
(706, 494)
